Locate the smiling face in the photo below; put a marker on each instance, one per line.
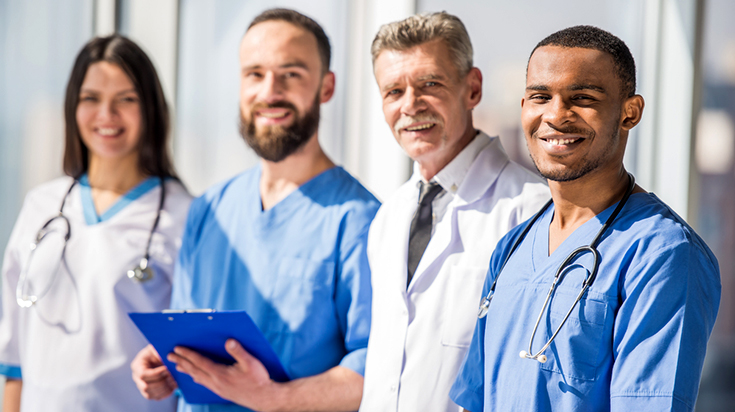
(282, 86)
(574, 117)
(108, 114)
(426, 102)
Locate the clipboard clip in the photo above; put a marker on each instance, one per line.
(205, 310)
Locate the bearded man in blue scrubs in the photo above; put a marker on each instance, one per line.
(635, 340)
(284, 241)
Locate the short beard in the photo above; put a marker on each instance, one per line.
(586, 165)
(275, 143)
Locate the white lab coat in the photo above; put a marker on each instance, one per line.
(75, 345)
(419, 336)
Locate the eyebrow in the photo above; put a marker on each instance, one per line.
(92, 91)
(297, 64)
(586, 86)
(431, 76)
(574, 87)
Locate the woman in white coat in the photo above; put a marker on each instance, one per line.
(104, 242)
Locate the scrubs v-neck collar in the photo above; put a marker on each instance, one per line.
(291, 203)
(90, 213)
(582, 236)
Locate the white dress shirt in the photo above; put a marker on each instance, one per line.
(419, 336)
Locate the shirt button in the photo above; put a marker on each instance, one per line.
(453, 188)
(393, 387)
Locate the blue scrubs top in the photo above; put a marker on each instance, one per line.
(635, 342)
(299, 269)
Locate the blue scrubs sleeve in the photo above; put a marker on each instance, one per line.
(669, 306)
(353, 296)
(181, 293)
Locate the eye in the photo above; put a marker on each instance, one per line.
(87, 98)
(253, 75)
(583, 99)
(430, 84)
(539, 98)
(393, 93)
(129, 99)
(292, 75)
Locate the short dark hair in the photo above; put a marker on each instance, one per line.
(590, 37)
(304, 22)
(153, 156)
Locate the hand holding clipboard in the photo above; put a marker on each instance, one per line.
(206, 333)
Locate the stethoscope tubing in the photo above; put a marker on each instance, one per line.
(591, 248)
(140, 273)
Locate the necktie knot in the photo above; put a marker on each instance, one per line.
(429, 191)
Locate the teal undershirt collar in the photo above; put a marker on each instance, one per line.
(90, 213)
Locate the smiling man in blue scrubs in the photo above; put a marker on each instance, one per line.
(635, 340)
(284, 241)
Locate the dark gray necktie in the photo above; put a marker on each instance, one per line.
(421, 224)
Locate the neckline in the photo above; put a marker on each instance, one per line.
(90, 213)
(292, 198)
(586, 232)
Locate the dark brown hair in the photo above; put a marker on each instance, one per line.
(306, 23)
(153, 156)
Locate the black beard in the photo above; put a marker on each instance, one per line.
(276, 143)
(586, 166)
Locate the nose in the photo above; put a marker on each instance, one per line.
(271, 89)
(412, 103)
(558, 112)
(107, 109)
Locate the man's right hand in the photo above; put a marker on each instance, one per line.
(151, 376)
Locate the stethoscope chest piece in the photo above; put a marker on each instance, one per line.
(592, 274)
(485, 305)
(142, 272)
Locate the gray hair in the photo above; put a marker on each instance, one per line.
(425, 27)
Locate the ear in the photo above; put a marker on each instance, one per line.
(327, 90)
(632, 112)
(474, 84)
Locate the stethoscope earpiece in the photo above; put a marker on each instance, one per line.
(526, 355)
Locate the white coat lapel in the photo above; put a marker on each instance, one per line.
(393, 241)
(447, 238)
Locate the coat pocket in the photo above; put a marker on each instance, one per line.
(461, 302)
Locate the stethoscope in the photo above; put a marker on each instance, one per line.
(591, 248)
(140, 273)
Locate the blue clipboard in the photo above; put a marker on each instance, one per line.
(206, 331)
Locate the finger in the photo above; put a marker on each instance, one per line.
(154, 352)
(194, 365)
(194, 358)
(159, 391)
(155, 374)
(156, 390)
(235, 349)
(145, 359)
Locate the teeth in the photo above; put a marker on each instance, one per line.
(558, 142)
(108, 131)
(421, 127)
(272, 115)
